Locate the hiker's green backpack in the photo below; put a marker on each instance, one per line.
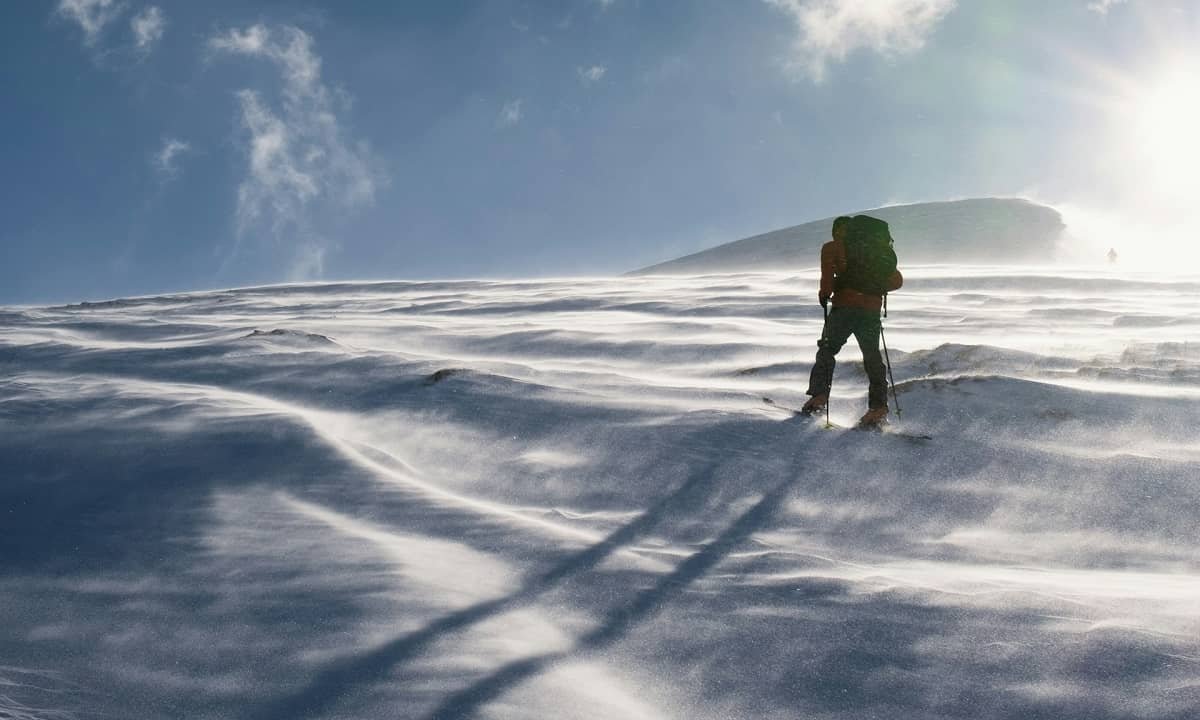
(870, 257)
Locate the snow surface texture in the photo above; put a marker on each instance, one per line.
(566, 499)
(979, 230)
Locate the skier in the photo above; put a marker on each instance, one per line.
(1112, 255)
(856, 290)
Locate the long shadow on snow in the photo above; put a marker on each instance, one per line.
(335, 681)
(619, 620)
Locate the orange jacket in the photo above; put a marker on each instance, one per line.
(833, 261)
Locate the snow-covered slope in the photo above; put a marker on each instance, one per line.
(565, 499)
(981, 230)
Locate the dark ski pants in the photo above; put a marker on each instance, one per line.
(864, 326)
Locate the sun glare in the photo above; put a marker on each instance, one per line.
(1153, 159)
(1166, 131)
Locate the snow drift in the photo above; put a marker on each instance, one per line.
(566, 499)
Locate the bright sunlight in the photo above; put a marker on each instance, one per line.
(1166, 132)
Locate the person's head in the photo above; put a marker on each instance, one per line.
(840, 226)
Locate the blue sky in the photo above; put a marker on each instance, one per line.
(159, 146)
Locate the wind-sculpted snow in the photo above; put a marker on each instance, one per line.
(566, 499)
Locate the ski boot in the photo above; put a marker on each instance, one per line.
(815, 405)
(875, 418)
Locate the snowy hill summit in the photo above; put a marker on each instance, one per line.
(980, 230)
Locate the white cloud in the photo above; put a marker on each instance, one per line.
(148, 26)
(829, 30)
(91, 15)
(252, 40)
(1103, 6)
(280, 177)
(591, 75)
(298, 154)
(510, 114)
(164, 159)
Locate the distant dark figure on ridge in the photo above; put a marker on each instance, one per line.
(1112, 255)
(858, 268)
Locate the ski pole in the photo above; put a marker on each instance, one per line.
(824, 329)
(891, 377)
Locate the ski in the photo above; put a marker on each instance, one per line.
(794, 411)
(801, 413)
(883, 428)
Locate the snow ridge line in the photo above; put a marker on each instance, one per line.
(403, 475)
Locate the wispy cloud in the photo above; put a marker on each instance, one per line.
(164, 159)
(510, 114)
(148, 26)
(298, 154)
(1103, 6)
(829, 30)
(308, 261)
(90, 15)
(592, 74)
